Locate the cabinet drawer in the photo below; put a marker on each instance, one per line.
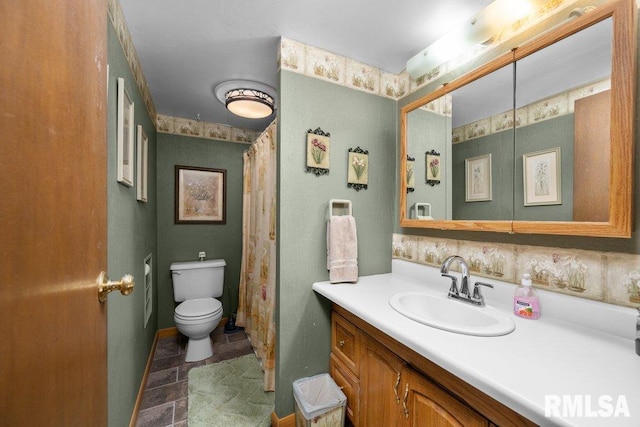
(344, 342)
(350, 386)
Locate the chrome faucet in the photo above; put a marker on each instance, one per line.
(463, 294)
(464, 283)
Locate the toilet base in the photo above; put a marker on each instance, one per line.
(199, 349)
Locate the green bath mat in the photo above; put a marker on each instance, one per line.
(229, 393)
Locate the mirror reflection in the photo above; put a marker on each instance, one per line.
(547, 159)
(482, 151)
(563, 128)
(429, 130)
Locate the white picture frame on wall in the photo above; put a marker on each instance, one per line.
(142, 172)
(542, 177)
(125, 136)
(478, 178)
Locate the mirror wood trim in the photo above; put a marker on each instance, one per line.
(623, 94)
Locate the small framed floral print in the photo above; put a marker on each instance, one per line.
(411, 176)
(358, 174)
(542, 177)
(318, 151)
(125, 136)
(478, 178)
(433, 167)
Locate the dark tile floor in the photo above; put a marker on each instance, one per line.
(165, 399)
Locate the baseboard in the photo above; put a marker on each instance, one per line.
(168, 332)
(143, 383)
(288, 421)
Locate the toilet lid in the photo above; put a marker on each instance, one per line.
(199, 307)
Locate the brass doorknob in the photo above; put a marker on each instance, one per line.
(124, 285)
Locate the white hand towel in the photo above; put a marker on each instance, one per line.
(342, 249)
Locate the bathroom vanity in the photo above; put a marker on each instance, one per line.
(395, 371)
(386, 383)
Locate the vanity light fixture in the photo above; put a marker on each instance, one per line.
(246, 98)
(479, 30)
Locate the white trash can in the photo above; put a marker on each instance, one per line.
(319, 402)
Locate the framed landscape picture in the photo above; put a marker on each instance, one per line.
(200, 195)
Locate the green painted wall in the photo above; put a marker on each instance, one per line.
(548, 134)
(354, 119)
(428, 131)
(500, 146)
(182, 242)
(131, 236)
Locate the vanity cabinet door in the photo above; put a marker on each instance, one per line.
(350, 385)
(344, 342)
(380, 379)
(426, 404)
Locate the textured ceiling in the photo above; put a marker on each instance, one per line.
(187, 47)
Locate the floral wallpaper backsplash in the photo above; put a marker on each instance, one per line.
(114, 11)
(602, 276)
(181, 126)
(321, 64)
(537, 112)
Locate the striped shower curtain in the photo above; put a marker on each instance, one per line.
(257, 290)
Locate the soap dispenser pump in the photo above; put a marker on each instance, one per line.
(525, 300)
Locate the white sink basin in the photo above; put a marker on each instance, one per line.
(451, 315)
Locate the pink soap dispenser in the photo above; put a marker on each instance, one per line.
(525, 300)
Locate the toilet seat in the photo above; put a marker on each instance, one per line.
(198, 309)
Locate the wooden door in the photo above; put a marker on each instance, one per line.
(427, 405)
(380, 385)
(592, 157)
(53, 212)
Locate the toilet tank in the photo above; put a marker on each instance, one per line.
(197, 279)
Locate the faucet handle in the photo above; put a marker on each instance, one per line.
(477, 295)
(454, 283)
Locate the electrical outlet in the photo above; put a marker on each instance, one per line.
(202, 255)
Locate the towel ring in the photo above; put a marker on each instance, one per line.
(334, 202)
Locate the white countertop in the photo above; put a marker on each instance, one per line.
(579, 351)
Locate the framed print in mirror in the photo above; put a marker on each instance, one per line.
(142, 165)
(478, 178)
(411, 176)
(542, 177)
(200, 195)
(433, 167)
(318, 151)
(358, 174)
(125, 136)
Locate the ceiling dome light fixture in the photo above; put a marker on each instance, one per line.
(247, 99)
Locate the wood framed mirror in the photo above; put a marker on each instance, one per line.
(558, 133)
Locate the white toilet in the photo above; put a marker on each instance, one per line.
(196, 285)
